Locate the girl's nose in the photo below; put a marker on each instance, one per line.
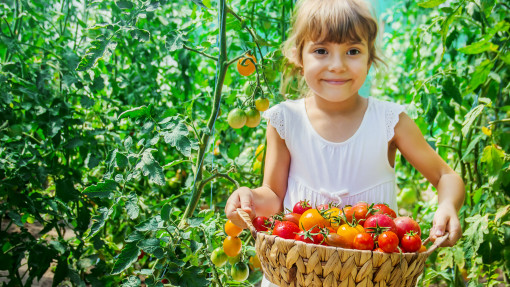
(337, 64)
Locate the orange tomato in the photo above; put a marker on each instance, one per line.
(423, 248)
(312, 219)
(245, 67)
(231, 229)
(232, 246)
(347, 234)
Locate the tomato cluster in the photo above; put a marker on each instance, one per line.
(361, 226)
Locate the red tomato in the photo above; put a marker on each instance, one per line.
(358, 211)
(312, 218)
(405, 224)
(308, 237)
(378, 249)
(373, 223)
(326, 206)
(411, 242)
(301, 207)
(347, 234)
(292, 217)
(286, 229)
(363, 241)
(388, 241)
(382, 208)
(261, 223)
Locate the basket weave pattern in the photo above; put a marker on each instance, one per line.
(294, 263)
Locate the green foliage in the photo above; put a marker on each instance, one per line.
(115, 142)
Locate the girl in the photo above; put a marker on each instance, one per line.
(333, 144)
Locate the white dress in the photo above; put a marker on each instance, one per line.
(347, 172)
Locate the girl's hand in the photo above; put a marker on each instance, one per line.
(446, 220)
(241, 198)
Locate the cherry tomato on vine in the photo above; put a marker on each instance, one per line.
(245, 66)
(261, 223)
(301, 207)
(219, 257)
(232, 246)
(231, 229)
(239, 271)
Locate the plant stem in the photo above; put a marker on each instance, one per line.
(220, 78)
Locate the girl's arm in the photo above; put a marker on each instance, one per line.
(267, 199)
(450, 187)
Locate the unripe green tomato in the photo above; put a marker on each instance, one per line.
(252, 118)
(236, 118)
(240, 271)
(218, 257)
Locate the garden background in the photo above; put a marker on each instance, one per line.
(114, 133)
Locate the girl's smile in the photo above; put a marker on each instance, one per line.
(335, 72)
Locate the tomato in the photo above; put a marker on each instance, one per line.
(261, 223)
(236, 118)
(285, 229)
(219, 257)
(347, 234)
(326, 206)
(232, 246)
(423, 248)
(259, 152)
(239, 271)
(405, 224)
(411, 242)
(312, 218)
(292, 217)
(333, 239)
(261, 104)
(255, 261)
(309, 237)
(388, 241)
(245, 67)
(363, 241)
(359, 212)
(252, 118)
(334, 216)
(360, 228)
(142, 254)
(382, 208)
(174, 182)
(378, 249)
(165, 281)
(231, 229)
(301, 207)
(378, 223)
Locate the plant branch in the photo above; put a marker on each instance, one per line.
(204, 182)
(200, 52)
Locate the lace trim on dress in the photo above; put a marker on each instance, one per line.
(392, 117)
(275, 117)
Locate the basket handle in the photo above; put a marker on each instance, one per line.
(246, 218)
(436, 243)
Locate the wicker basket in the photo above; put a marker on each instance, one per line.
(294, 263)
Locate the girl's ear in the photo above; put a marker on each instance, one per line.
(295, 57)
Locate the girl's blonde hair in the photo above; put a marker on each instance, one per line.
(336, 21)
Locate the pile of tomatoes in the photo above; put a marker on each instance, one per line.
(362, 226)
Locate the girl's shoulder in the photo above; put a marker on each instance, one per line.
(284, 113)
(387, 113)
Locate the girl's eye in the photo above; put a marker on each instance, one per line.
(353, 52)
(321, 51)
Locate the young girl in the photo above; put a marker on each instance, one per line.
(333, 145)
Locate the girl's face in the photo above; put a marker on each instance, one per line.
(335, 72)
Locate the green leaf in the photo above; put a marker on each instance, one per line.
(479, 47)
(135, 236)
(152, 224)
(124, 4)
(175, 41)
(192, 277)
(151, 168)
(199, 3)
(470, 118)
(431, 3)
(471, 146)
(451, 90)
(140, 35)
(98, 221)
(39, 260)
(480, 74)
(65, 190)
(474, 233)
(152, 246)
(445, 27)
(178, 138)
(100, 48)
(132, 281)
(102, 189)
(135, 113)
(121, 160)
(166, 211)
(487, 6)
(16, 218)
(132, 208)
(127, 256)
(493, 156)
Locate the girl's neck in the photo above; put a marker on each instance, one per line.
(351, 105)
